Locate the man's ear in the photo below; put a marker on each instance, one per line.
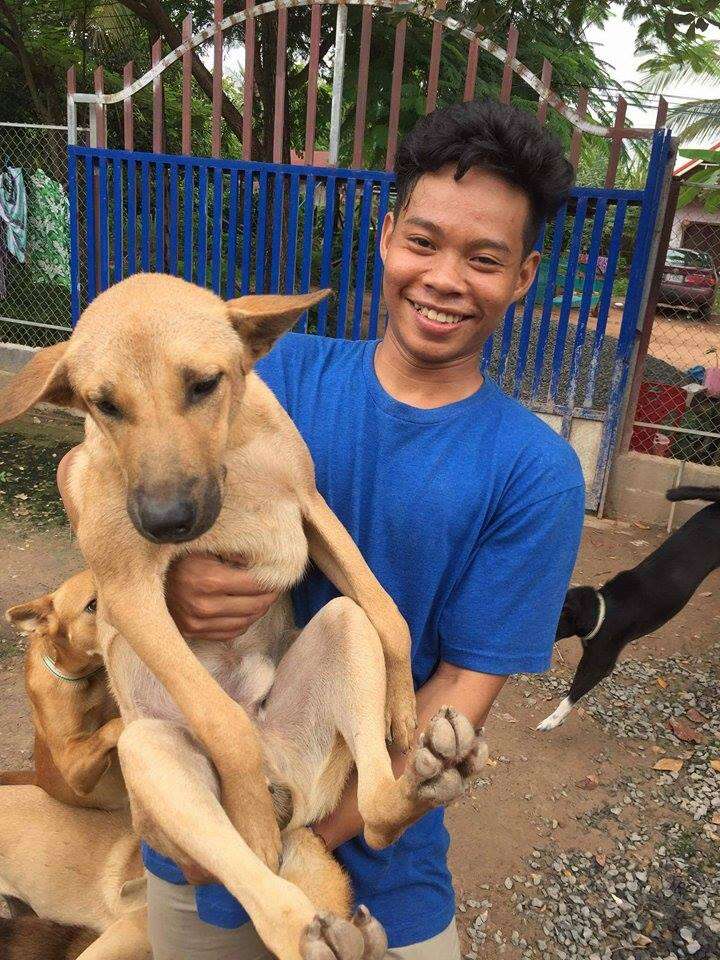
(260, 320)
(528, 269)
(44, 378)
(27, 617)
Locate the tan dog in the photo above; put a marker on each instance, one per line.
(186, 449)
(77, 723)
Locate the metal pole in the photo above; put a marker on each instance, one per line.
(337, 89)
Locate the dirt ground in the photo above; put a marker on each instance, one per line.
(547, 793)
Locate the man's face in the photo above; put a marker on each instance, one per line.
(456, 251)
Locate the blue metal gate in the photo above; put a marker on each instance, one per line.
(243, 227)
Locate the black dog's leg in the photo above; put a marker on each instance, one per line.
(593, 667)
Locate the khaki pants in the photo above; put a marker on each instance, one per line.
(177, 933)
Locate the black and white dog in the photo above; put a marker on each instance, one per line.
(638, 601)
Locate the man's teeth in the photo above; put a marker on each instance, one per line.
(434, 315)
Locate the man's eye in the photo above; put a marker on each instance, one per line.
(204, 388)
(421, 242)
(92, 606)
(108, 408)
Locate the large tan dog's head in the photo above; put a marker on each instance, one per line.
(65, 620)
(160, 365)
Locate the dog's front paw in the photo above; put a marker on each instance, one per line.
(450, 752)
(253, 815)
(401, 711)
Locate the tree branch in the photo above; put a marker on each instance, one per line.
(22, 55)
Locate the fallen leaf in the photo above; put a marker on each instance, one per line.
(587, 783)
(683, 731)
(507, 717)
(668, 763)
(491, 762)
(639, 543)
(640, 525)
(662, 682)
(695, 715)
(716, 818)
(656, 749)
(715, 764)
(600, 859)
(706, 594)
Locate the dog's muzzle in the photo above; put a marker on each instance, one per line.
(162, 516)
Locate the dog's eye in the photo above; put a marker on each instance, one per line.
(92, 606)
(108, 408)
(203, 388)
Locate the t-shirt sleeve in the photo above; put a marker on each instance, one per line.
(273, 368)
(502, 614)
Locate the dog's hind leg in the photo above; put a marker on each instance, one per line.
(174, 794)
(332, 682)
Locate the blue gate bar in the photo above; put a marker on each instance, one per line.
(330, 188)
(232, 235)
(188, 194)
(307, 245)
(90, 227)
(247, 231)
(202, 226)
(132, 217)
(173, 227)
(117, 220)
(346, 257)
(276, 238)
(159, 217)
(104, 225)
(217, 231)
(362, 258)
(292, 232)
(145, 215)
(74, 237)
(261, 228)
(383, 203)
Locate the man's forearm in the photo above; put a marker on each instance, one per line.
(470, 693)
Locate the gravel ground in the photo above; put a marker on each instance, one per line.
(657, 895)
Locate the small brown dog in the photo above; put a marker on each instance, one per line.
(77, 723)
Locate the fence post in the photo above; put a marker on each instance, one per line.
(672, 192)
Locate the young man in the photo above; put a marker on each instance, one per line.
(466, 506)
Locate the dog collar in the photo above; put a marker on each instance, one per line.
(50, 666)
(600, 620)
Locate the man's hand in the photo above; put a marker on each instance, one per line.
(212, 599)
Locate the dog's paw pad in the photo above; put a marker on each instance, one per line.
(373, 934)
(449, 753)
(328, 937)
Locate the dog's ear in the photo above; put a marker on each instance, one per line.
(43, 378)
(261, 320)
(27, 617)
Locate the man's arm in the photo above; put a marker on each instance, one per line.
(469, 692)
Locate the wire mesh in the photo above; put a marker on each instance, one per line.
(34, 235)
(678, 410)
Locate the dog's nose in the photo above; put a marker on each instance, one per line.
(167, 521)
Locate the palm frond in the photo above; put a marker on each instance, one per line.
(696, 118)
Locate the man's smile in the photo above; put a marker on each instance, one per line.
(436, 316)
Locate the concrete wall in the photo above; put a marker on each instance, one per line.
(637, 486)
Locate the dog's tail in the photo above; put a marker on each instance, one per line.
(30, 938)
(711, 494)
(12, 778)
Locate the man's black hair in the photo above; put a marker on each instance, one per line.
(492, 136)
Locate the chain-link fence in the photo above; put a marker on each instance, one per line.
(678, 409)
(34, 235)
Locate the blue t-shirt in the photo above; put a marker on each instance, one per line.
(470, 517)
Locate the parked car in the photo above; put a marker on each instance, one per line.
(689, 281)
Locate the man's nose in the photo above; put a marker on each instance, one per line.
(445, 276)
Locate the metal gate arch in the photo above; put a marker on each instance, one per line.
(244, 226)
